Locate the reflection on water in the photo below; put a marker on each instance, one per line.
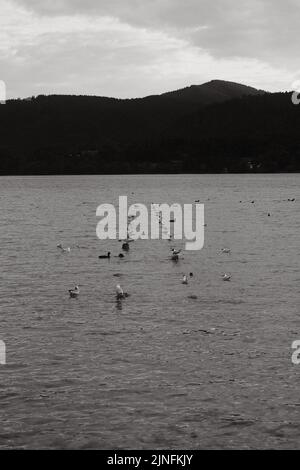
(203, 365)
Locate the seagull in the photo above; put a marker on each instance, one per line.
(226, 250)
(74, 292)
(120, 293)
(176, 252)
(184, 280)
(64, 250)
(226, 277)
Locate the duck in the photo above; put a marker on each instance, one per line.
(74, 292)
(226, 277)
(174, 257)
(184, 280)
(125, 246)
(105, 256)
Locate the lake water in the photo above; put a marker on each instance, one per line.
(160, 369)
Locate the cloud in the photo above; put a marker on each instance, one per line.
(129, 48)
(261, 29)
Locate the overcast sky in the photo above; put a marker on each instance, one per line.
(130, 48)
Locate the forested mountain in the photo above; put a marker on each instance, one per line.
(215, 127)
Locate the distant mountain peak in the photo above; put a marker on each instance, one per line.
(215, 91)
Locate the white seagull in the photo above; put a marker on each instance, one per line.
(184, 280)
(120, 293)
(64, 250)
(226, 277)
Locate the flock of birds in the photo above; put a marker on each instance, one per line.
(175, 256)
(120, 294)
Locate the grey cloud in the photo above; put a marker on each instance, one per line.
(262, 29)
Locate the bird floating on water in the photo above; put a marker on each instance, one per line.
(226, 277)
(125, 246)
(105, 256)
(64, 250)
(120, 293)
(74, 292)
(226, 250)
(184, 280)
(175, 254)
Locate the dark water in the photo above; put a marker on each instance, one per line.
(161, 369)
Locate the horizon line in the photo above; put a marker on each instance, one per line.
(28, 98)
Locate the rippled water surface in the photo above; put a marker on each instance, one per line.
(160, 369)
